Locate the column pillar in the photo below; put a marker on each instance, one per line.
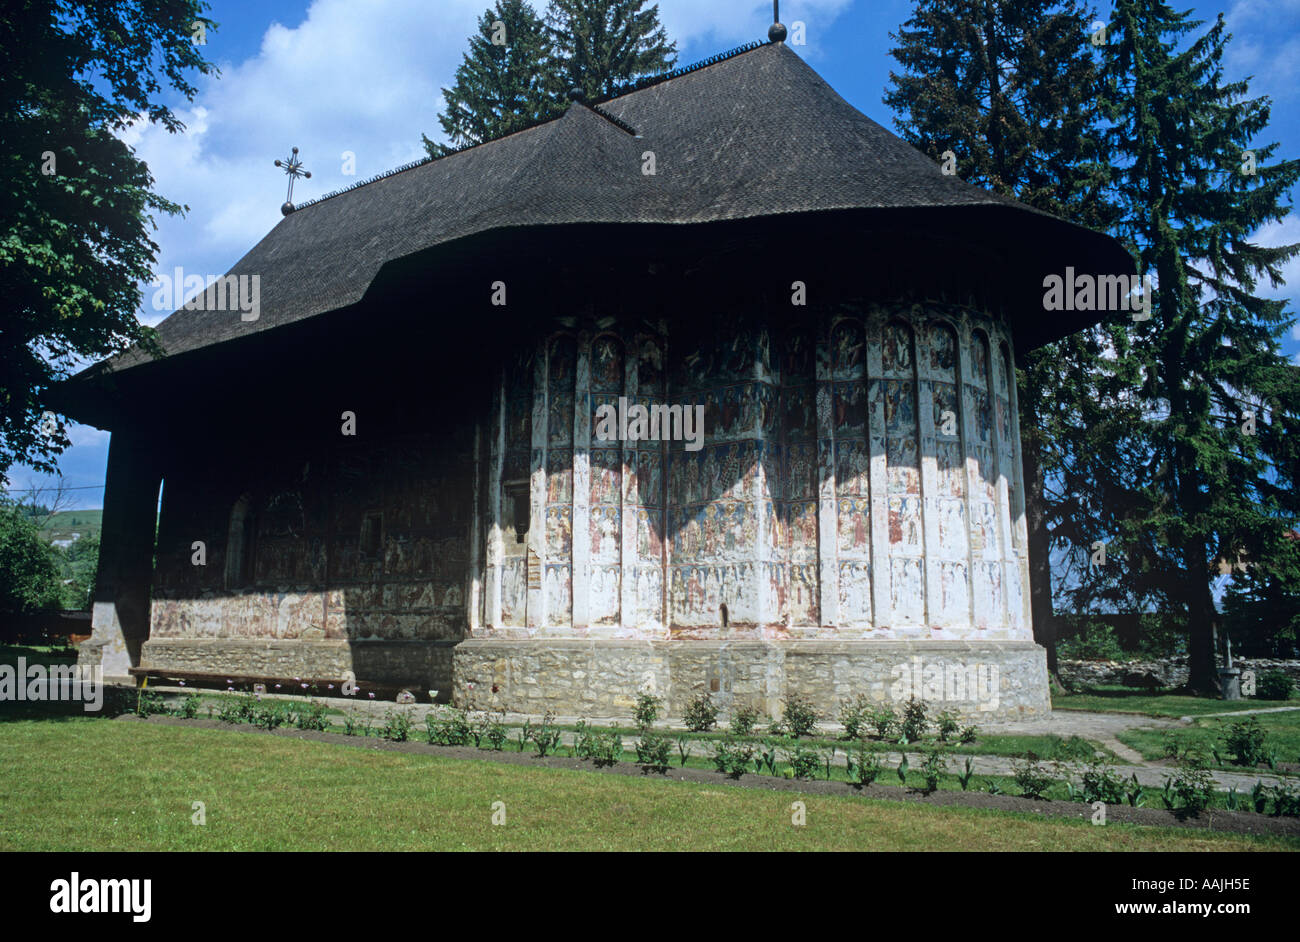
(581, 536)
(827, 514)
(120, 618)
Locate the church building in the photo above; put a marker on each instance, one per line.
(706, 387)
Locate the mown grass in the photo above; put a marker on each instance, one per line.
(1128, 700)
(102, 785)
(1206, 735)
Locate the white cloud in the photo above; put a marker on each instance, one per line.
(364, 78)
(1286, 232)
(1265, 44)
(722, 25)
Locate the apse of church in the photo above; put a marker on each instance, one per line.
(859, 478)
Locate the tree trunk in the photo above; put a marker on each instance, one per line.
(1040, 563)
(1203, 674)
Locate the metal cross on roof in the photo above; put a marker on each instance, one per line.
(293, 167)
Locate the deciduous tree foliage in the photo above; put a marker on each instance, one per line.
(29, 570)
(74, 213)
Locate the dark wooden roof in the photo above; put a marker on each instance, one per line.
(758, 134)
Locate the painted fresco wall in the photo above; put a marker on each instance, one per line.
(367, 543)
(859, 478)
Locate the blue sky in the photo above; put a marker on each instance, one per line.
(364, 76)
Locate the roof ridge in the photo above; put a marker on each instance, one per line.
(637, 86)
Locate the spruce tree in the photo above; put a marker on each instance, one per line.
(1010, 88)
(603, 46)
(501, 83)
(1212, 480)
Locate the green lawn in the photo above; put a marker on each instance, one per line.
(105, 785)
(1206, 734)
(37, 654)
(1128, 700)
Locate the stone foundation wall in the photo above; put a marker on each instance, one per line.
(420, 665)
(602, 678)
(1166, 672)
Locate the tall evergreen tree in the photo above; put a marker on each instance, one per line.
(1212, 484)
(501, 82)
(1010, 88)
(603, 46)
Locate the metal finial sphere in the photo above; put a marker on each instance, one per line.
(776, 33)
(286, 209)
(295, 150)
(575, 94)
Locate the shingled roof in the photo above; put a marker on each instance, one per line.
(758, 134)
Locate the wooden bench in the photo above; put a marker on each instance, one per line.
(314, 686)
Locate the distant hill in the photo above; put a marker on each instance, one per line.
(64, 524)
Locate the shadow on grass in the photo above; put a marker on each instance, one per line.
(10, 653)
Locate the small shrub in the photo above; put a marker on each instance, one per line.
(744, 720)
(1286, 801)
(189, 708)
(448, 726)
(885, 722)
(312, 716)
(1274, 685)
(647, 709)
(397, 725)
(902, 770)
(271, 716)
(238, 709)
(804, 762)
(946, 723)
(701, 714)
(1096, 643)
(932, 768)
(1259, 797)
(915, 722)
(356, 723)
(1101, 783)
(652, 752)
(993, 788)
(149, 703)
(730, 757)
(1191, 785)
(855, 716)
(968, 735)
(798, 716)
(546, 738)
(603, 747)
(491, 729)
(1245, 740)
(863, 766)
(1030, 776)
(765, 758)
